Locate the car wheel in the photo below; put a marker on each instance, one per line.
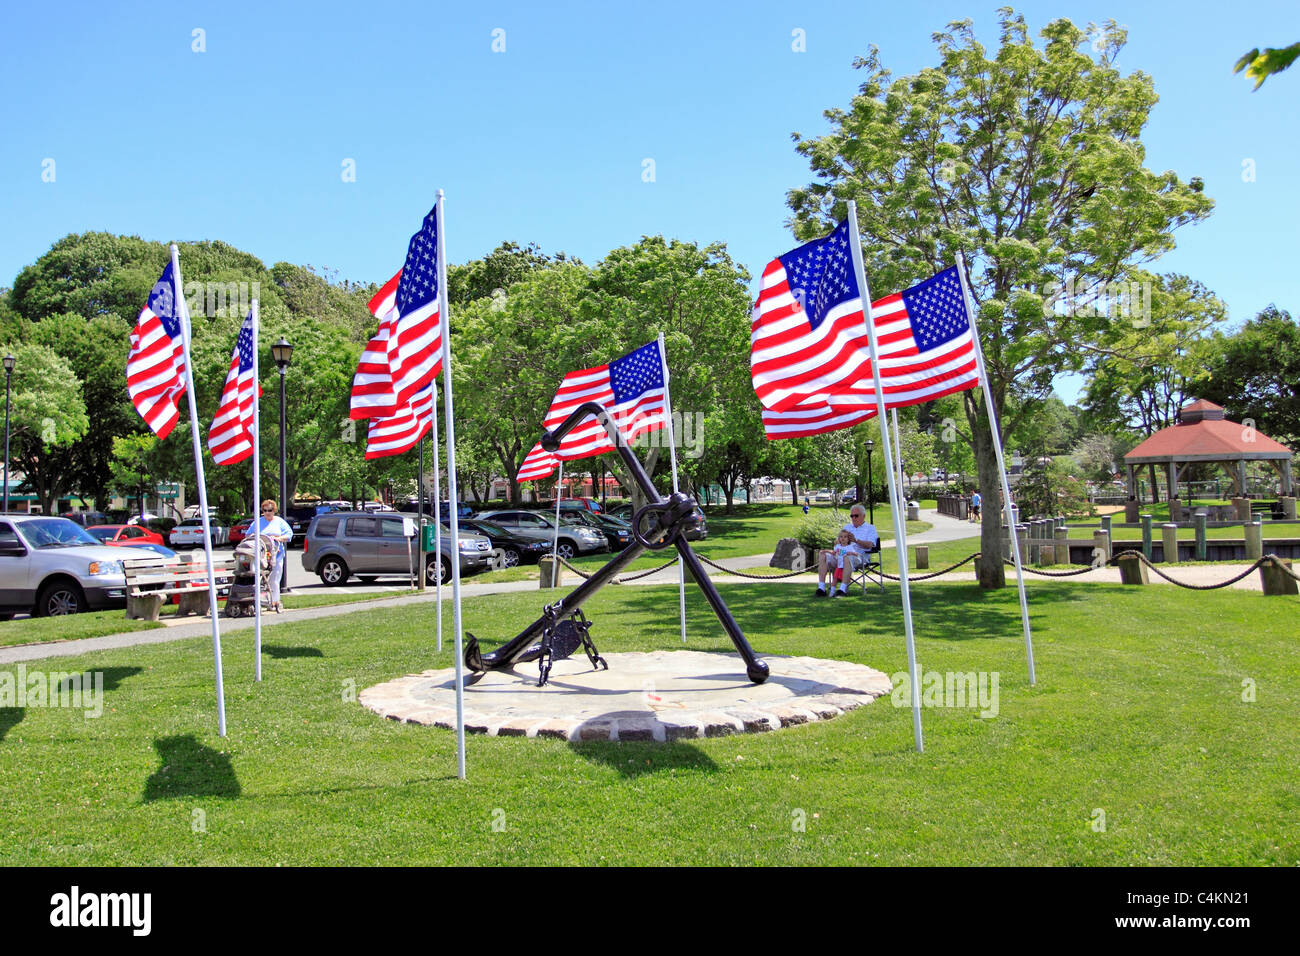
(567, 550)
(333, 571)
(437, 571)
(510, 557)
(60, 598)
(233, 610)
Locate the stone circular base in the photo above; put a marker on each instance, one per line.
(662, 695)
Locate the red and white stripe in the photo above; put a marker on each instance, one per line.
(233, 431)
(812, 420)
(155, 373)
(372, 386)
(643, 414)
(398, 433)
(792, 362)
(414, 350)
(538, 463)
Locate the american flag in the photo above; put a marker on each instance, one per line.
(401, 432)
(926, 349)
(233, 431)
(372, 386)
(631, 389)
(155, 365)
(415, 342)
(808, 339)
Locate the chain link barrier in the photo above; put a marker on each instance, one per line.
(1266, 559)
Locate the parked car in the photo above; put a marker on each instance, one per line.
(239, 530)
(124, 535)
(338, 546)
(195, 511)
(698, 533)
(540, 526)
(581, 504)
(88, 519)
(515, 548)
(850, 496)
(52, 566)
(189, 534)
(617, 532)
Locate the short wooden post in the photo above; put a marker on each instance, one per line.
(551, 571)
(1146, 536)
(1275, 580)
(922, 557)
(1131, 569)
(1046, 555)
(1243, 508)
(1254, 540)
(1199, 518)
(1105, 524)
(1169, 541)
(1288, 507)
(1061, 547)
(1100, 547)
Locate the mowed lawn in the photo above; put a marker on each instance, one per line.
(1138, 715)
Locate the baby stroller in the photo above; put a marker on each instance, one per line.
(243, 587)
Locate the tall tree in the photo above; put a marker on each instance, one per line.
(1030, 161)
(1254, 372)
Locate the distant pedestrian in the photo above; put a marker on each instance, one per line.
(975, 501)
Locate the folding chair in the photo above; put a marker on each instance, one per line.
(869, 571)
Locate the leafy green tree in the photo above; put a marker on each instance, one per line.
(1260, 66)
(47, 413)
(1028, 160)
(1253, 375)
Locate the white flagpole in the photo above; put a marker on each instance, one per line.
(900, 534)
(1002, 468)
(672, 450)
(183, 314)
(257, 502)
(555, 542)
(437, 504)
(860, 272)
(448, 407)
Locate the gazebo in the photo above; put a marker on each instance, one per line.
(1202, 434)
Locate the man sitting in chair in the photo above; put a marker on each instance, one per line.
(864, 537)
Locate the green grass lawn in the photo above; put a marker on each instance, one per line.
(1138, 713)
(39, 630)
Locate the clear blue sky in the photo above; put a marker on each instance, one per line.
(544, 142)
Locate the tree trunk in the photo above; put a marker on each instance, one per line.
(989, 567)
(1155, 488)
(794, 491)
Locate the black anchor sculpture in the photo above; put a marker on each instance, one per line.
(563, 628)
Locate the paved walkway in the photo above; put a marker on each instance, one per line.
(945, 529)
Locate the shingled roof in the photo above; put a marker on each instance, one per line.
(1203, 434)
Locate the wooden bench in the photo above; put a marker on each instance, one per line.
(151, 581)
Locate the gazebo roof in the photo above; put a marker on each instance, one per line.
(1203, 434)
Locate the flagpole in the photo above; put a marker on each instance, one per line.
(257, 502)
(672, 451)
(900, 535)
(448, 408)
(437, 508)
(419, 510)
(555, 542)
(899, 528)
(1002, 469)
(183, 313)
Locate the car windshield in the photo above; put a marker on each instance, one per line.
(54, 533)
(102, 533)
(487, 527)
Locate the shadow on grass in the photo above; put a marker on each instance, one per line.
(113, 677)
(634, 759)
(280, 652)
(10, 717)
(190, 769)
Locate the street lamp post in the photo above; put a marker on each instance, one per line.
(282, 353)
(9, 371)
(871, 505)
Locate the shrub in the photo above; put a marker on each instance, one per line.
(819, 529)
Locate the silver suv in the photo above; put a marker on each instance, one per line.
(540, 526)
(339, 545)
(53, 566)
